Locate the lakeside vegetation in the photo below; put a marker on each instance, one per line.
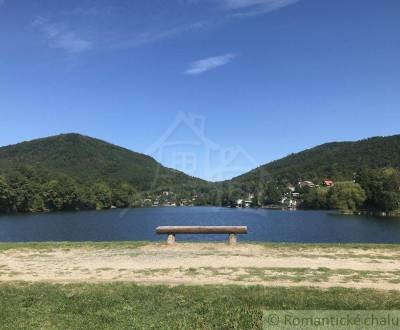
(373, 190)
(123, 306)
(74, 172)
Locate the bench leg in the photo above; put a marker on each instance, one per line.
(171, 239)
(232, 239)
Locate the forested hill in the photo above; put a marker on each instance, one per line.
(338, 161)
(75, 172)
(90, 160)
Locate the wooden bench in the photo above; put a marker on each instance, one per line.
(171, 231)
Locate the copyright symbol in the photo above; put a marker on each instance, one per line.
(273, 319)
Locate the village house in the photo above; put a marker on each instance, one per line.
(291, 188)
(327, 183)
(308, 184)
(244, 203)
(248, 203)
(288, 202)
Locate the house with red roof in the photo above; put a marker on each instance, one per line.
(328, 183)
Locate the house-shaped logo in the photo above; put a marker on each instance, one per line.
(186, 147)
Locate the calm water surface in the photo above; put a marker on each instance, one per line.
(139, 224)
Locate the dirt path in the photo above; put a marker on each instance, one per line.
(186, 263)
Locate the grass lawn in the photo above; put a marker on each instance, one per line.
(128, 306)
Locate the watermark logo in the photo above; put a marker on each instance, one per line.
(186, 147)
(331, 319)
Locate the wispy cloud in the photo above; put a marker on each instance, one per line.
(91, 10)
(247, 8)
(209, 63)
(158, 35)
(2, 2)
(60, 36)
(235, 4)
(126, 24)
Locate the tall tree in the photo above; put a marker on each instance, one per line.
(62, 194)
(5, 196)
(382, 187)
(123, 195)
(102, 195)
(272, 194)
(316, 198)
(346, 196)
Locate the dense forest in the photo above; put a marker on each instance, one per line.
(339, 161)
(75, 172)
(88, 161)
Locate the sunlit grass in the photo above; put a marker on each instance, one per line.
(128, 306)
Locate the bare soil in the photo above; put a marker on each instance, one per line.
(211, 263)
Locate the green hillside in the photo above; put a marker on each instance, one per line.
(89, 160)
(338, 161)
(75, 172)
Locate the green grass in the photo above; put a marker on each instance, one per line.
(128, 306)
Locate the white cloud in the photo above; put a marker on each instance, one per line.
(210, 63)
(60, 36)
(210, 15)
(245, 8)
(91, 10)
(134, 25)
(237, 4)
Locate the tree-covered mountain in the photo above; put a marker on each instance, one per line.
(338, 161)
(75, 172)
(89, 161)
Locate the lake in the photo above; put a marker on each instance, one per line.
(139, 224)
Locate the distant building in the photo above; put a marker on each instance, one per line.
(291, 188)
(289, 202)
(328, 183)
(308, 184)
(248, 204)
(244, 203)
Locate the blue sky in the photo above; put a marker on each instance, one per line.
(271, 76)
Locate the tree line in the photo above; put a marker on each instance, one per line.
(32, 190)
(375, 190)
(29, 190)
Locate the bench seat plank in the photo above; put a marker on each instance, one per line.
(201, 230)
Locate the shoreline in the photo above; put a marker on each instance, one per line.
(135, 244)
